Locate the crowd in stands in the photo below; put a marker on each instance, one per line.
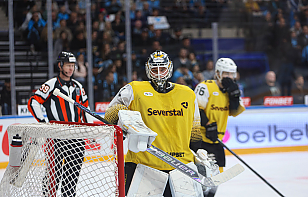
(279, 28)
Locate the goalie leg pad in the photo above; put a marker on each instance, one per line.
(183, 186)
(147, 181)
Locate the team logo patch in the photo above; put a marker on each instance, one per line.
(215, 93)
(148, 94)
(184, 104)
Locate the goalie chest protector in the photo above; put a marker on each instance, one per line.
(170, 115)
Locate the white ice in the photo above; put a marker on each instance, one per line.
(286, 172)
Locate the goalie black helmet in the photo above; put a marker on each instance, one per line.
(159, 69)
(66, 57)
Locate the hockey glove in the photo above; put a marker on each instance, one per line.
(211, 131)
(231, 87)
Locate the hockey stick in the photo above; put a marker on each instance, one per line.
(205, 181)
(223, 144)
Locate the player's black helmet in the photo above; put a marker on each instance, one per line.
(66, 57)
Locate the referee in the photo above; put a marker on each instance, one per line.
(65, 157)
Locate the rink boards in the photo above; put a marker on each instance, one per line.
(257, 130)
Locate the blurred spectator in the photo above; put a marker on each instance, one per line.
(304, 17)
(146, 9)
(181, 60)
(119, 53)
(138, 66)
(268, 88)
(297, 28)
(21, 9)
(106, 88)
(303, 37)
(186, 44)
(162, 37)
(135, 76)
(111, 34)
(106, 52)
(95, 25)
(181, 80)
(198, 78)
(81, 73)
(95, 45)
(209, 72)
(201, 16)
(296, 49)
(62, 13)
(113, 6)
(184, 72)
(176, 37)
(193, 61)
(132, 12)
(35, 27)
(101, 20)
(118, 27)
(144, 40)
(72, 22)
(55, 20)
(156, 46)
(81, 28)
(139, 16)
(137, 30)
(278, 7)
(94, 11)
(154, 4)
(61, 44)
(25, 23)
(79, 43)
(63, 27)
(299, 90)
(286, 68)
(5, 98)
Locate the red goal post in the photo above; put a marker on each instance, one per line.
(99, 148)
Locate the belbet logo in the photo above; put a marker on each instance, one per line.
(272, 133)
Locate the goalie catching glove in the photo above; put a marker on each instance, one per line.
(138, 134)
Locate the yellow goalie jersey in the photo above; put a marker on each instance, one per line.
(171, 115)
(215, 104)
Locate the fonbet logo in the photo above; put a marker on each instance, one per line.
(271, 134)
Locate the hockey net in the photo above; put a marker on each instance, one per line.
(66, 159)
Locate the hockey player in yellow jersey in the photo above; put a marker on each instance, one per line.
(172, 112)
(218, 99)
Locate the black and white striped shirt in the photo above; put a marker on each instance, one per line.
(56, 107)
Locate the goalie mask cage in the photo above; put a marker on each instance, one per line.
(56, 156)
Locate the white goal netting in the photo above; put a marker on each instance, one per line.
(65, 159)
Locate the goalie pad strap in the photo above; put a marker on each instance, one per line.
(147, 181)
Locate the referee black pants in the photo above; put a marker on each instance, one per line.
(66, 163)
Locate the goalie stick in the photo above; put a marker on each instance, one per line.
(160, 154)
